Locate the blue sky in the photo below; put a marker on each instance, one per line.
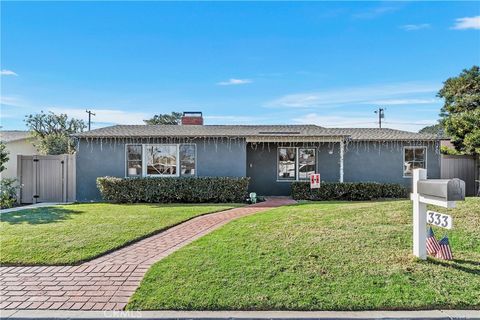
(327, 63)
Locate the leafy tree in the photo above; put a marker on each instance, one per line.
(52, 132)
(173, 118)
(434, 129)
(3, 156)
(461, 110)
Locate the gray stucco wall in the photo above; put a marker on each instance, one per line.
(262, 167)
(365, 161)
(384, 162)
(362, 162)
(226, 159)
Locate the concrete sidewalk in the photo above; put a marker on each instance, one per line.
(32, 206)
(261, 315)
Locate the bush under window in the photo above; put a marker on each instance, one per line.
(170, 189)
(348, 191)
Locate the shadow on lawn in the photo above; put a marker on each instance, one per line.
(459, 264)
(38, 216)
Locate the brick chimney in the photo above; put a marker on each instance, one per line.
(192, 118)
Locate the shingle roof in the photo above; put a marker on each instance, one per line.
(13, 135)
(384, 134)
(138, 131)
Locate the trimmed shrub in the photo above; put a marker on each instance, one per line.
(356, 191)
(165, 190)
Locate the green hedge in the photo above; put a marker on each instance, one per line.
(186, 190)
(348, 191)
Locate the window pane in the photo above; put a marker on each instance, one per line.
(161, 160)
(419, 154)
(418, 165)
(409, 154)
(286, 163)
(187, 160)
(306, 163)
(134, 160)
(414, 158)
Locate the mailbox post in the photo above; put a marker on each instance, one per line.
(439, 192)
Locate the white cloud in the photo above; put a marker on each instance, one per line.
(105, 116)
(375, 12)
(467, 23)
(355, 95)
(233, 82)
(5, 72)
(11, 101)
(415, 27)
(349, 121)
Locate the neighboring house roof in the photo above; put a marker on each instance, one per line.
(13, 135)
(158, 131)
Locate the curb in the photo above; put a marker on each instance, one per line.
(243, 315)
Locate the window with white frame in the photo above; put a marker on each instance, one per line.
(287, 163)
(134, 160)
(166, 160)
(295, 163)
(161, 160)
(187, 160)
(306, 163)
(414, 157)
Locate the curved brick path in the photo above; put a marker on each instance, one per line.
(106, 283)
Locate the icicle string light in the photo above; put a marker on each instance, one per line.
(266, 142)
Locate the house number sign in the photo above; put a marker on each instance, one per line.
(439, 219)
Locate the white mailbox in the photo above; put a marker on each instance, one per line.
(439, 192)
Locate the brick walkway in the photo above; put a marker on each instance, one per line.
(106, 283)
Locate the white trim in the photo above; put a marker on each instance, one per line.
(342, 154)
(403, 159)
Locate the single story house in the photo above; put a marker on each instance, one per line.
(17, 143)
(271, 155)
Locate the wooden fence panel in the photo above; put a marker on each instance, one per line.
(47, 178)
(461, 167)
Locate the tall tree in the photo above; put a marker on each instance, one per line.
(3, 156)
(434, 129)
(173, 118)
(52, 132)
(461, 110)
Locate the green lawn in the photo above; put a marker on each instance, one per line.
(319, 256)
(69, 234)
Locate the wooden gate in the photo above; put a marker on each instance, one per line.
(46, 178)
(461, 167)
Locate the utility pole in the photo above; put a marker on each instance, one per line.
(381, 115)
(90, 114)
